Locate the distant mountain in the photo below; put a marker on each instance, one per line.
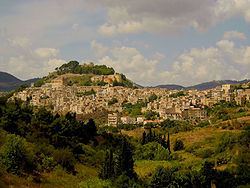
(204, 86)
(9, 82)
(171, 87)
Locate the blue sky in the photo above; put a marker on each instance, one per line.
(152, 42)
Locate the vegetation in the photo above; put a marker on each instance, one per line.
(178, 145)
(151, 115)
(112, 101)
(152, 97)
(74, 67)
(178, 94)
(134, 109)
(38, 148)
(86, 93)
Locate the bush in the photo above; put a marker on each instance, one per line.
(48, 163)
(65, 158)
(178, 145)
(15, 156)
(124, 181)
(161, 178)
(152, 151)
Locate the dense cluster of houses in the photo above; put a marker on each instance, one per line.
(61, 98)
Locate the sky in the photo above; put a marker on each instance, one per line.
(152, 42)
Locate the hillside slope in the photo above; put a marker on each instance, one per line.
(9, 82)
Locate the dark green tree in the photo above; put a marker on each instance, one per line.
(123, 160)
(91, 128)
(143, 138)
(168, 143)
(178, 145)
(161, 178)
(209, 173)
(107, 171)
(14, 155)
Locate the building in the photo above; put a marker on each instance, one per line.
(113, 119)
(194, 113)
(227, 88)
(173, 114)
(140, 119)
(157, 121)
(128, 120)
(58, 82)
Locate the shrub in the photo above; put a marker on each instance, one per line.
(48, 163)
(178, 145)
(152, 151)
(124, 181)
(65, 158)
(161, 178)
(14, 155)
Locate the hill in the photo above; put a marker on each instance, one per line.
(203, 86)
(171, 87)
(89, 74)
(9, 82)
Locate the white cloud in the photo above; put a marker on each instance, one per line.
(49, 66)
(234, 35)
(107, 29)
(46, 52)
(26, 67)
(75, 26)
(167, 16)
(225, 45)
(223, 61)
(132, 63)
(22, 42)
(99, 49)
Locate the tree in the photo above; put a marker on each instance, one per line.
(152, 97)
(143, 138)
(161, 178)
(208, 172)
(178, 145)
(168, 143)
(151, 115)
(14, 155)
(65, 158)
(123, 160)
(91, 128)
(151, 151)
(107, 171)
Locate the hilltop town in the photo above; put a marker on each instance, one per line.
(123, 104)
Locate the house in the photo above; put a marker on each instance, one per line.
(113, 119)
(128, 120)
(173, 113)
(140, 119)
(226, 88)
(194, 113)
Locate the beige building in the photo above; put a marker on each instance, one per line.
(193, 113)
(173, 113)
(227, 88)
(113, 119)
(128, 120)
(140, 119)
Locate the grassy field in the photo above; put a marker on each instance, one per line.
(57, 178)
